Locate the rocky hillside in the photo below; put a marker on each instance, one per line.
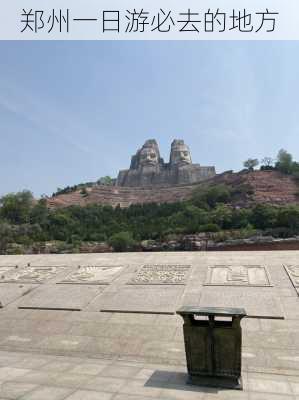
(270, 187)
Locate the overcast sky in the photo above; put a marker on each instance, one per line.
(72, 112)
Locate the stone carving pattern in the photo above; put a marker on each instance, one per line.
(293, 272)
(161, 274)
(93, 275)
(32, 274)
(243, 275)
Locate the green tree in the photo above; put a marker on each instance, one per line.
(122, 241)
(263, 216)
(251, 163)
(15, 207)
(105, 180)
(288, 217)
(6, 236)
(222, 216)
(209, 197)
(284, 161)
(39, 213)
(267, 164)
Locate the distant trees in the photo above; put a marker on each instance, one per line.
(74, 188)
(209, 197)
(15, 207)
(105, 180)
(267, 163)
(284, 162)
(25, 222)
(251, 163)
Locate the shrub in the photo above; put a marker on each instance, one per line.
(122, 241)
(209, 228)
(251, 163)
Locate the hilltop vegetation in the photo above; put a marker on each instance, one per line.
(26, 222)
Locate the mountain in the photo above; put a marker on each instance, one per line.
(249, 187)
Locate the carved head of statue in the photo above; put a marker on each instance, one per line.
(180, 153)
(149, 155)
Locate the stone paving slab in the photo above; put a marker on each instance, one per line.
(256, 303)
(293, 273)
(7, 268)
(143, 299)
(10, 292)
(73, 378)
(269, 346)
(60, 297)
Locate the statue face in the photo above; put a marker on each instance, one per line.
(181, 156)
(148, 157)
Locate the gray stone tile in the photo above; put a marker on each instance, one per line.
(51, 315)
(137, 298)
(9, 292)
(89, 395)
(269, 396)
(31, 363)
(225, 395)
(71, 380)
(127, 318)
(47, 393)
(57, 366)
(39, 377)
(139, 387)
(88, 328)
(9, 373)
(89, 316)
(295, 387)
(181, 393)
(64, 343)
(89, 368)
(104, 384)
(124, 396)
(120, 371)
(14, 390)
(269, 386)
(148, 373)
(63, 297)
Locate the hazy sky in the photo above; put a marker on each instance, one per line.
(72, 112)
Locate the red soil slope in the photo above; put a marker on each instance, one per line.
(270, 187)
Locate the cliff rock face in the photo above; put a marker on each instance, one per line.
(149, 169)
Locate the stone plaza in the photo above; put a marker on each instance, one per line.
(104, 326)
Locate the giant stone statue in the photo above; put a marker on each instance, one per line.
(148, 168)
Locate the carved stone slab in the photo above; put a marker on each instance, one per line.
(160, 274)
(10, 292)
(142, 299)
(31, 274)
(7, 268)
(61, 297)
(255, 303)
(243, 275)
(90, 275)
(293, 273)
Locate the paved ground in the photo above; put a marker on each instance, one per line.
(58, 354)
(28, 376)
